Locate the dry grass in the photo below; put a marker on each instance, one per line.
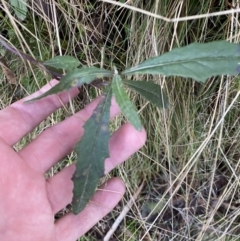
(190, 163)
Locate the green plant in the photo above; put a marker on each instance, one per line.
(20, 8)
(197, 61)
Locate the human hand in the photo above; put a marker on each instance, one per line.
(28, 202)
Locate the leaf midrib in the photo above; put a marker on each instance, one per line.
(139, 68)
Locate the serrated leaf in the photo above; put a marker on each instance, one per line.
(92, 151)
(75, 78)
(150, 91)
(198, 61)
(63, 62)
(20, 8)
(124, 103)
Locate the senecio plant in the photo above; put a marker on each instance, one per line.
(197, 61)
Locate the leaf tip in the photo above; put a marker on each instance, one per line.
(138, 126)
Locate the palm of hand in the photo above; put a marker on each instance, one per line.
(24, 201)
(28, 202)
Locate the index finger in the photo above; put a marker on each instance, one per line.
(19, 119)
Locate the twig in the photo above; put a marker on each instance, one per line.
(10, 76)
(29, 58)
(123, 213)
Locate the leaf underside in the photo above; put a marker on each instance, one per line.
(149, 91)
(75, 78)
(124, 103)
(20, 8)
(62, 62)
(198, 61)
(92, 151)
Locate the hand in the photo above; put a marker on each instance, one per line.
(28, 202)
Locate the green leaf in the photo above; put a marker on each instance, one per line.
(150, 91)
(63, 62)
(92, 151)
(75, 78)
(124, 103)
(151, 208)
(198, 61)
(20, 8)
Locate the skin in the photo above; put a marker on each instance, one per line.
(28, 202)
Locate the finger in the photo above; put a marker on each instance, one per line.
(59, 140)
(71, 227)
(19, 119)
(123, 143)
